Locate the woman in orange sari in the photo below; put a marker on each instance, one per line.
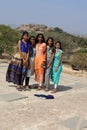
(40, 60)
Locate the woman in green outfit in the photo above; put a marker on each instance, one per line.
(57, 66)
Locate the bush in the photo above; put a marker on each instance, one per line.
(80, 59)
(8, 39)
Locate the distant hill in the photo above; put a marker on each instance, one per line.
(70, 43)
(35, 28)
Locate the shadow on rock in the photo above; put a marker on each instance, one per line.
(12, 85)
(34, 86)
(61, 87)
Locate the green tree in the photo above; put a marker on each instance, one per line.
(58, 29)
(80, 59)
(8, 39)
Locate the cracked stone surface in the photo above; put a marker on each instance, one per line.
(67, 111)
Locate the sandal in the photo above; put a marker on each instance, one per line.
(26, 88)
(46, 89)
(54, 91)
(39, 88)
(19, 88)
(29, 86)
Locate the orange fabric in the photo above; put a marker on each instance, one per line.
(39, 59)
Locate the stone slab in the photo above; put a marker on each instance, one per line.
(71, 123)
(12, 97)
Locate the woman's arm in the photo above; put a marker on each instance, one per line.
(19, 46)
(44, 48)
(60, 61)
(51, 60)
(27, 56)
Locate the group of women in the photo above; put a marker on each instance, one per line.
(35, 56)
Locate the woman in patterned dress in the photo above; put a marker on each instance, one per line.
(40, 60)
(49, 60)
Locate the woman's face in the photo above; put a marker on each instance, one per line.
(32, 40)
(25, 37)
(50, 42)
(57, 45)
(40, 38)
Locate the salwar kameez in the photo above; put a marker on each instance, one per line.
(49, 53)
(55, 75)
(39, 62)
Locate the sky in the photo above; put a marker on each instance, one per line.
(69, 15)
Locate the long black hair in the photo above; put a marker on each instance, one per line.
(59, 43)
(40, 34)
(24, 33)
(52, 41)
(30, 38)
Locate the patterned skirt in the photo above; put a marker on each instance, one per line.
(16, 71)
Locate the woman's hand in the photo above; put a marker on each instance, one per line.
(29, 66)
(56, 69)
(25, 62)
(48, 65)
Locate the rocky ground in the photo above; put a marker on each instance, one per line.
(68, 111)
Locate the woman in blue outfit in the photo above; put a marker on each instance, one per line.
(30, 69)
(17, 68)
(57, 66)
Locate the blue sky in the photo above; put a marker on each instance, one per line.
(70, 15)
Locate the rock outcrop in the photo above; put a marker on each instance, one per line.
(35, 28)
